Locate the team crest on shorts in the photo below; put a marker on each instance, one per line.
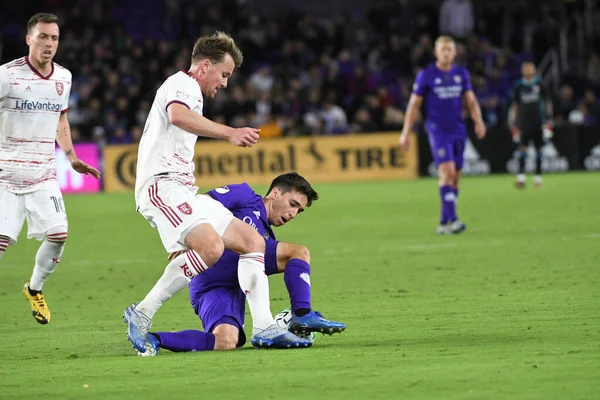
(59, 88)
(185, 208)
(441, 152)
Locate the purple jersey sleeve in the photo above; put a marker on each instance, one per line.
(466, 81)
(420, 87)
(233, 196)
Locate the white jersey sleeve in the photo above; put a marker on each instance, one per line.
(165, 149)
(180, 91)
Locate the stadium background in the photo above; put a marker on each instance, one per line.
(320, 71)
(508, 310)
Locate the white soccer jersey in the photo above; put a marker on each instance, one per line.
(166, 149)
(30, 106)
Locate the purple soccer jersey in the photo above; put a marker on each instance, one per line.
(215, 294)
(442, 93)
(248, 206)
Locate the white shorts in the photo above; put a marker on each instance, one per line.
(175, 209)
(43, 209)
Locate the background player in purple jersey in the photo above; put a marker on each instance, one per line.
(443, 86)
(216, 295)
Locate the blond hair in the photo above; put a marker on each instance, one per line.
(215, 47)
(444, 39)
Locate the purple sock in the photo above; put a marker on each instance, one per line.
(189, 340)
(297, 281)
(455, 201)
(448, 198)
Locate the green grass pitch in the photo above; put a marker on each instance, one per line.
(508, 310)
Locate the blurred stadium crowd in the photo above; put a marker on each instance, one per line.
(302, 74)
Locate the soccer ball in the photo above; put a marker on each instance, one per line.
(283, 318)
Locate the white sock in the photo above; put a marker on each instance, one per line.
(47, 258)
(177, 276)
(537, 179)
(254, 283)
(521, 178)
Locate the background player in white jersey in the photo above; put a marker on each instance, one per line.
(166, 197)
(34, 98)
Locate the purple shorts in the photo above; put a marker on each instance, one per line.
(448, 148)
(227, 304)
(223, 305)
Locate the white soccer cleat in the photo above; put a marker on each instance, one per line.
(444, 230)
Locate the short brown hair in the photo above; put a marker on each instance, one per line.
(41, 17)
(215, 47)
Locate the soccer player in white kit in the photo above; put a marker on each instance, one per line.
(166, 196)
(34, 98)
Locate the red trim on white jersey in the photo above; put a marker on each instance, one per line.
(35, 71)
(178, 102)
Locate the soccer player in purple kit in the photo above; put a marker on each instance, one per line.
(442, 86)
(216, 295)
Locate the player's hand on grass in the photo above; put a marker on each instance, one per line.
(244, 137)
(84, 168)
(480, 130)
(404, 142)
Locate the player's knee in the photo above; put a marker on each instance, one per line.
(447, 173)
(205, 241)
(211, 252)
(225, 341)
(252, 243)
(301, 253)
(57, 234)
(448, 178)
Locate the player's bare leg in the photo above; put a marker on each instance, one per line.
(449, 222)
(206, 247)
(226, 337)
(46, 261)
(223, 337)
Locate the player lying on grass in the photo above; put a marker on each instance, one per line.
(216, 295)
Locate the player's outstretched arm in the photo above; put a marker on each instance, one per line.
(475, 111)
(183, 118)
(412, 111)
(63, 138)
